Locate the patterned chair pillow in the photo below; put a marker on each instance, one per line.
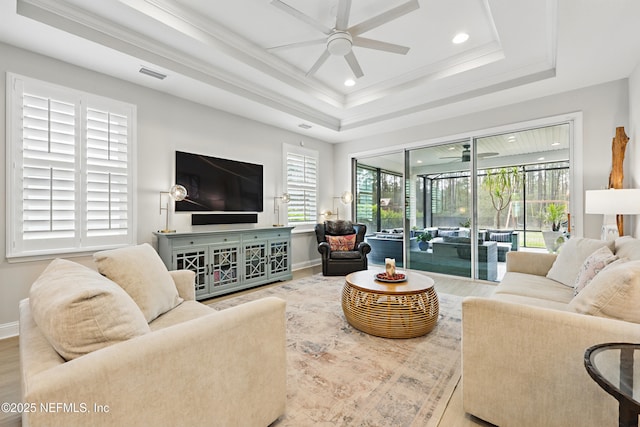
(342, 243)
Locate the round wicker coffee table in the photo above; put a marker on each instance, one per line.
(391, 310)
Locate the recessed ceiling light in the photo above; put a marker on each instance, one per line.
(452, 148)
(555, 144)
(460, 38)
(511, 138)
(419, 161)
(349, 82)
(540, 158)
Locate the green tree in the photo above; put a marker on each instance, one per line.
(502, 184)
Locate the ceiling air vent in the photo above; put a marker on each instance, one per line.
(152, 73)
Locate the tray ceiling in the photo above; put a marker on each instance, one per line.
(218, 53)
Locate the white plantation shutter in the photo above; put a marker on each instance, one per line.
(106, 175)
(301, 175)
(48, 170)
(70, 170)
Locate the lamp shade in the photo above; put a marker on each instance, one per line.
(178, 193)
(613, 201)
(347, 197)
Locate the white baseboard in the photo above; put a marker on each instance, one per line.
(306, 264)
(8, 330)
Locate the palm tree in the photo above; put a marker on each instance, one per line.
(502, 184)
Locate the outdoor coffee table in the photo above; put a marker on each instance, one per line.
(391, 310)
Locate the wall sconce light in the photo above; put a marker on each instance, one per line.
(610, 203)
(284, 199)
(346, 198)
(178, 193)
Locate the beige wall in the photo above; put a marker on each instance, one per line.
(165, 124)
(603, 108)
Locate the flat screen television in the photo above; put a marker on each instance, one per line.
(215, 184)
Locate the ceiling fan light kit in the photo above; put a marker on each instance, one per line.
(341, 39)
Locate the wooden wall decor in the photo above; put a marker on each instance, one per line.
(618, 147)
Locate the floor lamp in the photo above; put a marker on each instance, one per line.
(610, 203)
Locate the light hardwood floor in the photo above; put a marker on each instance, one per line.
(454, 415)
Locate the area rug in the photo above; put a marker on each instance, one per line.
(339, 376)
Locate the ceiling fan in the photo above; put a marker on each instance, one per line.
(341, 38)
(466, 154)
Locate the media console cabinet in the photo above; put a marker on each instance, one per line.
(230, 260)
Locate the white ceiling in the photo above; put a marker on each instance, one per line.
(217, 53)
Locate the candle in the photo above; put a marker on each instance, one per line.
(390, 266)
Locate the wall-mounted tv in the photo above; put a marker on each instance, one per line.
(215, 184)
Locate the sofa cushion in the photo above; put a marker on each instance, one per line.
(186, 311)
(627, 247)
(342, 243)
(346, 255)
(80, 311)
(595, 263)
(571, 257)
(532, 286)
(613, 293)
(532, 301)
(139, 270)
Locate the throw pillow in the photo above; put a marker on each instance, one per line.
(448, 233)
(80, 311)
(594, 264)
(500, 237)
(342, 243)
(628, 247)
(139, 270)
(613, 293)
(572, 254)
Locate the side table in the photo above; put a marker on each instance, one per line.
(612, 366)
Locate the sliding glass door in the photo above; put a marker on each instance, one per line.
(459, 207)
(440, 209)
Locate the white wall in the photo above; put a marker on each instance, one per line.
(165, 124)
(604, 107)
(633, 147)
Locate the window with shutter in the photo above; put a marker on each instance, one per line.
(301, 177)
(70, 169)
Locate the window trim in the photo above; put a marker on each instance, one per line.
(306, 152)
(14, 142)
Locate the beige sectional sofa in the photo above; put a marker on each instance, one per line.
(93, 354)
(523, 348)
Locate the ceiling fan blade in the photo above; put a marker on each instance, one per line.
(483, 155)
(384, 17)
(301, 16)
(378, 45)
(325, 55)
(342, 20)
(298, 44)
(353, 64)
